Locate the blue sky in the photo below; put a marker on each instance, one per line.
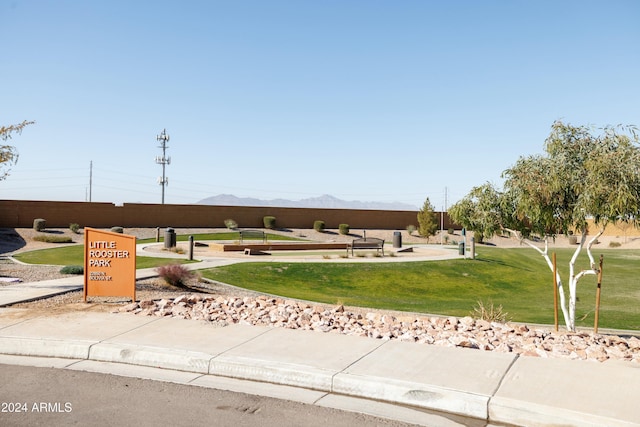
(364, 100)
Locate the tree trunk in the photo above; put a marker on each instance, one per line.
(570, 313)
(574, 278)
(547, 258)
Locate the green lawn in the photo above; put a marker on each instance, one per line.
(74, 255)
(518, 279)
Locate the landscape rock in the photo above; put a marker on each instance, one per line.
(448, 331)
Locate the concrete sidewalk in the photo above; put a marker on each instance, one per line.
(330, 369)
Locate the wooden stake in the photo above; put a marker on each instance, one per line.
(555, 292)
(598, 289)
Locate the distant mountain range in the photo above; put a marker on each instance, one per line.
(323, 202)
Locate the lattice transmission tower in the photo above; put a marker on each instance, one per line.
(164, 160)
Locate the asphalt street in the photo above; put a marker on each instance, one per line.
(34, 396)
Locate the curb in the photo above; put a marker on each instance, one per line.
(505, 403)
(412, 394)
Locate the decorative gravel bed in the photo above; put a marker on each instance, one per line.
(444, 331)
(29, 273)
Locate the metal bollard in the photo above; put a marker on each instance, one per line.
(473, 248)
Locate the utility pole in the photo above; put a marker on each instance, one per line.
(90, 178)
(444, 208)
(164, 160)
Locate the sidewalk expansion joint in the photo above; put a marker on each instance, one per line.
(239, 345)
(328, 393)
(151, 320)
(73, 362)
(494, 391)
(190, 382)
(333, 377)
(14, 324)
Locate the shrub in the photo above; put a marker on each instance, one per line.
(269, 222)
(230, 224)
(489, 312)
(117, 230)
(175, 274)
(411, 229)
(72, 269)
(48, 238)
(573, 239)
(39, 224)
(318, 225)
(450, 231)
(75, 228)
(615, 244)
(343, 229)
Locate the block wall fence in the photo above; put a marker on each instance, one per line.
(21, 213)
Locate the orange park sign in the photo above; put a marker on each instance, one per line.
(109, 264)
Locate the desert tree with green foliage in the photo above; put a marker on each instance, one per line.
(427, 220)
(9, 153)
(479, 211)
(584, 173)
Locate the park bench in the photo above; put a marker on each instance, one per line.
(366, 243)
(253, 234)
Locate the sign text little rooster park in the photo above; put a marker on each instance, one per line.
(109, 264)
